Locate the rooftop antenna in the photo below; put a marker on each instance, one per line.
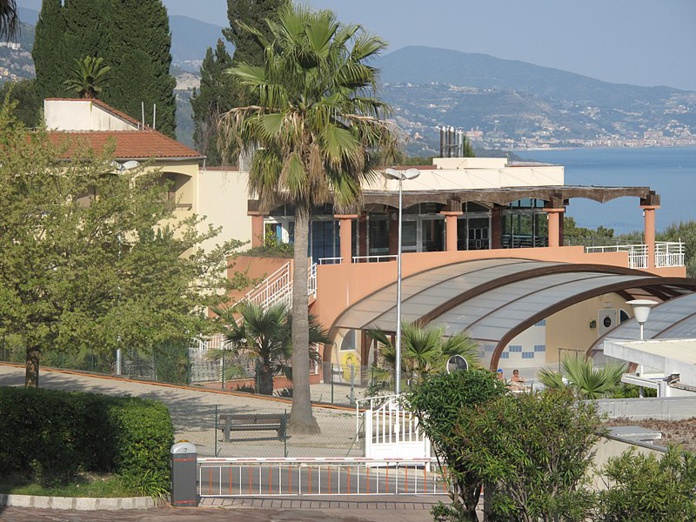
(142, 111)
(154, 116)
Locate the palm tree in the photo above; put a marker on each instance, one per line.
(316, 130)
(587, 381)
(87, 77)
(425, 351)
(266, 336)
(9, 19)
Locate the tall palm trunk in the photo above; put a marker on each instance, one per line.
(301, 418)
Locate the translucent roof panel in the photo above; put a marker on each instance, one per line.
(494, 298)
(493, 314)
(423, 292)
(673, 319)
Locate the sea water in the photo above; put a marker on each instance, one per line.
(671, 172)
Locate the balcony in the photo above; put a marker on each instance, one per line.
(667, 253)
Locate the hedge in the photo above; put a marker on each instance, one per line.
(52, 435)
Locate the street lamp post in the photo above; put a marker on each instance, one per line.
(401, 176)
(641, 312)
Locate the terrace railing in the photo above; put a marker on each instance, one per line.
(667, 253)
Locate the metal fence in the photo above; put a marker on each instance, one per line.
(319, 476)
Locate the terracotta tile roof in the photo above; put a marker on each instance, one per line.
(138, 145)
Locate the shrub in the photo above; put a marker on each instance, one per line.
(51, 435)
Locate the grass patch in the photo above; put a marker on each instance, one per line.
(88, 485)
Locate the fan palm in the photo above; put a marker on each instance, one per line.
(265, 335)
(88, 76)
(316, 130)
(9, 19)
(587, 381)
(425, 351)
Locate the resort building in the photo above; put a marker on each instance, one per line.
(482, 250)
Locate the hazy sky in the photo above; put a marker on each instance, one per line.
(642, 42)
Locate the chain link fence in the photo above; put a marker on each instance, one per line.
(206, 365)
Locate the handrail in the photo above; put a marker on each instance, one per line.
(374, 259)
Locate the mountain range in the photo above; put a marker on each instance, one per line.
(502, 104)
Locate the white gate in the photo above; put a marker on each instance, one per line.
(391, 431)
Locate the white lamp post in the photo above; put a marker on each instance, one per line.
(401, 176)
(641, 311)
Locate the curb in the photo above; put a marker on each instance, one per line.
(78, 504)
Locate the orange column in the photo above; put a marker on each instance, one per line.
(554, 215)
(451, 229)
(649, 232)
(346, 233)
(257, 230)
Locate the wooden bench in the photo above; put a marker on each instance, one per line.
(277, 422)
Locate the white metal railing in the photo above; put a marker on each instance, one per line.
(373, 259)
(249, 477)
(637, 254)
(312, 280)
(276, 288)
(667, 253)
(330, 260)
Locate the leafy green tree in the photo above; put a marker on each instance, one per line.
(214, 97)
(440, 402)
(316, 127)
(85, 261)
(533, 451)
(576, 235)
(88, 76)
(684, 231)
(643, 487)
(266, 335)
(583, 378)
(424, 351)
(9, 20)
(23, 94)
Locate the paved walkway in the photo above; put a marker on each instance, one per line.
(185, 405)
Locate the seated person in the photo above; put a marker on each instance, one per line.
(516, 382)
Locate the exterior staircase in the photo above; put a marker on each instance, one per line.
(277, 288)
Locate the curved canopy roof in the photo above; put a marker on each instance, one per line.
(496, 299)
(674, 319)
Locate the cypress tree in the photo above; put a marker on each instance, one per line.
(218, 91)
(215, 96)
(133, 38)
(254, 14)
(49, 51)
(86, 29)
(140, 57)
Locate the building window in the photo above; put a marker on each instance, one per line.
(539, 347)
(515, 348)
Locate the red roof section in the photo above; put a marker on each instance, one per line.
(140, 145)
